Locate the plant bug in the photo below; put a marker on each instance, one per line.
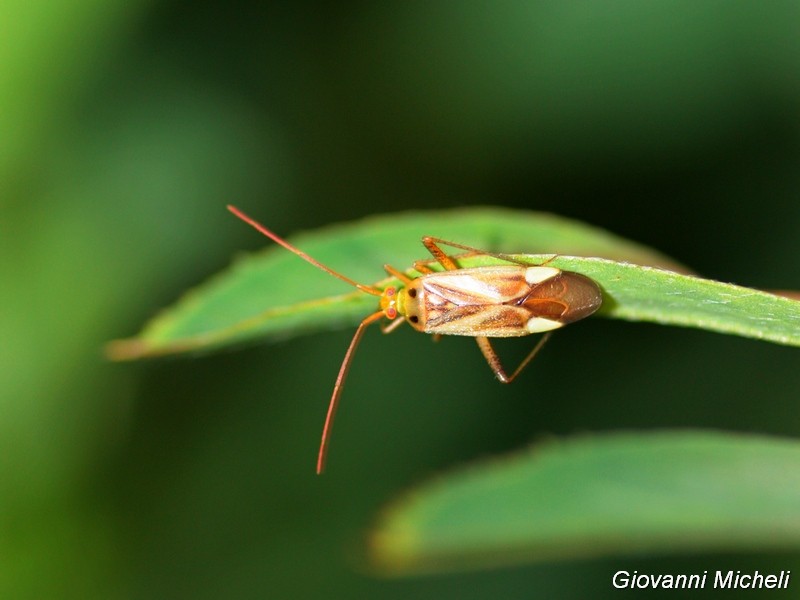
(481, 302)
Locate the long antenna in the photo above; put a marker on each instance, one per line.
(340, 378)
(279, 240)
(337, 390)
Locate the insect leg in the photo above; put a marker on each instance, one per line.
(392, 325)
(398, 274)
(433, 241)
(432, 244)
(494, 361)
(440, 255)
(421, 266)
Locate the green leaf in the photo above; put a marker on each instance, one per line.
(275, 294)
(600, 495)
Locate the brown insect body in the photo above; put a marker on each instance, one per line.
(497, 301)
(482, 302)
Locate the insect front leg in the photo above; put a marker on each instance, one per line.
(494, 361)
(421, 266)
(392, 325)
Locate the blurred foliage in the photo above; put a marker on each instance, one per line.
(656, 492)
(126, 127)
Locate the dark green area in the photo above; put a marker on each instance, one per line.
(127, 127)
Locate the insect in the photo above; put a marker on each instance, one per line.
(482, 302)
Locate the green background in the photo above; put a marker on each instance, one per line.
(125, 127)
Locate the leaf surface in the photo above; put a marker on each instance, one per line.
(273, 294)
(613, 494)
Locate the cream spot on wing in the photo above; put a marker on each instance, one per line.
(540, 324)
(534, 275)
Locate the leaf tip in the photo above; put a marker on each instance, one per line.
(124, 350)
(391, 549)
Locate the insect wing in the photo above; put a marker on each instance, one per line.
(505, 301)
(567, 297)
(492, 320)
(483, 301)
(479, 286)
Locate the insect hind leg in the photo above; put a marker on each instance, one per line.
(444, 259)
(440, 255)
(494, 361)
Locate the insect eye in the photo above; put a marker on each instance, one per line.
(412, 293)
(414, 319)
(391, 312)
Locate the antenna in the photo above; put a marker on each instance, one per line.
(348, 357)
(279, 240)
(337, 390)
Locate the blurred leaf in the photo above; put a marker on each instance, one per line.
(274, 294)
(49, 51)
(600, 495)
